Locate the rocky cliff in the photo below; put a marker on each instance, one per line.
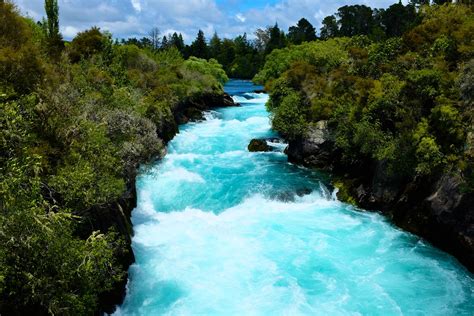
(439, 209)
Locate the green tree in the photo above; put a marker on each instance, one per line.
(177, 41)
(87, 43)
(277, 39)
(199, 47)
(302, 32)
(215, 46)
(164, 42)
(55, 40)
(330, 28)
(355, 20)
(398, 19)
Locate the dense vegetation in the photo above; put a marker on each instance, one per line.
(76, 121)
(402, 98)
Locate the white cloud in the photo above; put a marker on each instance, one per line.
(69, 31)
(125, 18)
(137, 5)
(240, 17)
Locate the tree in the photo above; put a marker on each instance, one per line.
(177, 41)
(165, 43)
(302, 32)
(154, 37)
(277, 39)
(228, 54)
(199, 47)
(215, 46)
(55, 40)
(329, 28)
(398, 19)
(355, 20)
(262, 39)
(52, 12)
(86, 44)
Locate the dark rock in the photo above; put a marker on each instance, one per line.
(257, 145)
(259, 91)
(438, 209)
(285, 196)
(193, 114)
(449, 218)
(191, 109)
(314, 149)
(303, 191)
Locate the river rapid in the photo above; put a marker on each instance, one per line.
(222, 231)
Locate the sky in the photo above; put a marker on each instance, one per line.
(229, 18)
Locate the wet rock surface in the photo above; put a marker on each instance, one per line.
(438, 209)
(259, 145)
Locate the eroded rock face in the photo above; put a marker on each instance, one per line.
(450, 210)
(438, 209)
(314, 149)
(259, 145)
(192, 108)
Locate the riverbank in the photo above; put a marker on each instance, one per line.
(118, 213)
(438, 208)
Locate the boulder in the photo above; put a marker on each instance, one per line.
(314, 149)
(257, 145)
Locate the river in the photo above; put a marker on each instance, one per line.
(221, 231)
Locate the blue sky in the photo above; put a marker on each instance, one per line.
(127, 18)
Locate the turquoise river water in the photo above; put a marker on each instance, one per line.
(221, 231)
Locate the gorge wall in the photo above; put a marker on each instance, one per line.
(438, 208)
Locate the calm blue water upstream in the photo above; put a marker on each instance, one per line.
(221, 231)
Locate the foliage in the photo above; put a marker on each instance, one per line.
(288, 116)
(405, 101)
(87, 44)
(75, 126)
(211, 68)
(302, 32)
(322, 54)
(378, 24)
(199, 47)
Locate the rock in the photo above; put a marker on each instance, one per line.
(303, 191)
(259, 91)
(450, 213)
(439, 209)
(191, 109)
(257, 145)
(228, 101)
(314, 149)
(285, 196)
(193, 114)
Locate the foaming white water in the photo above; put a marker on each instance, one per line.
(181, 174)
(249, 98)
(221, 231)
